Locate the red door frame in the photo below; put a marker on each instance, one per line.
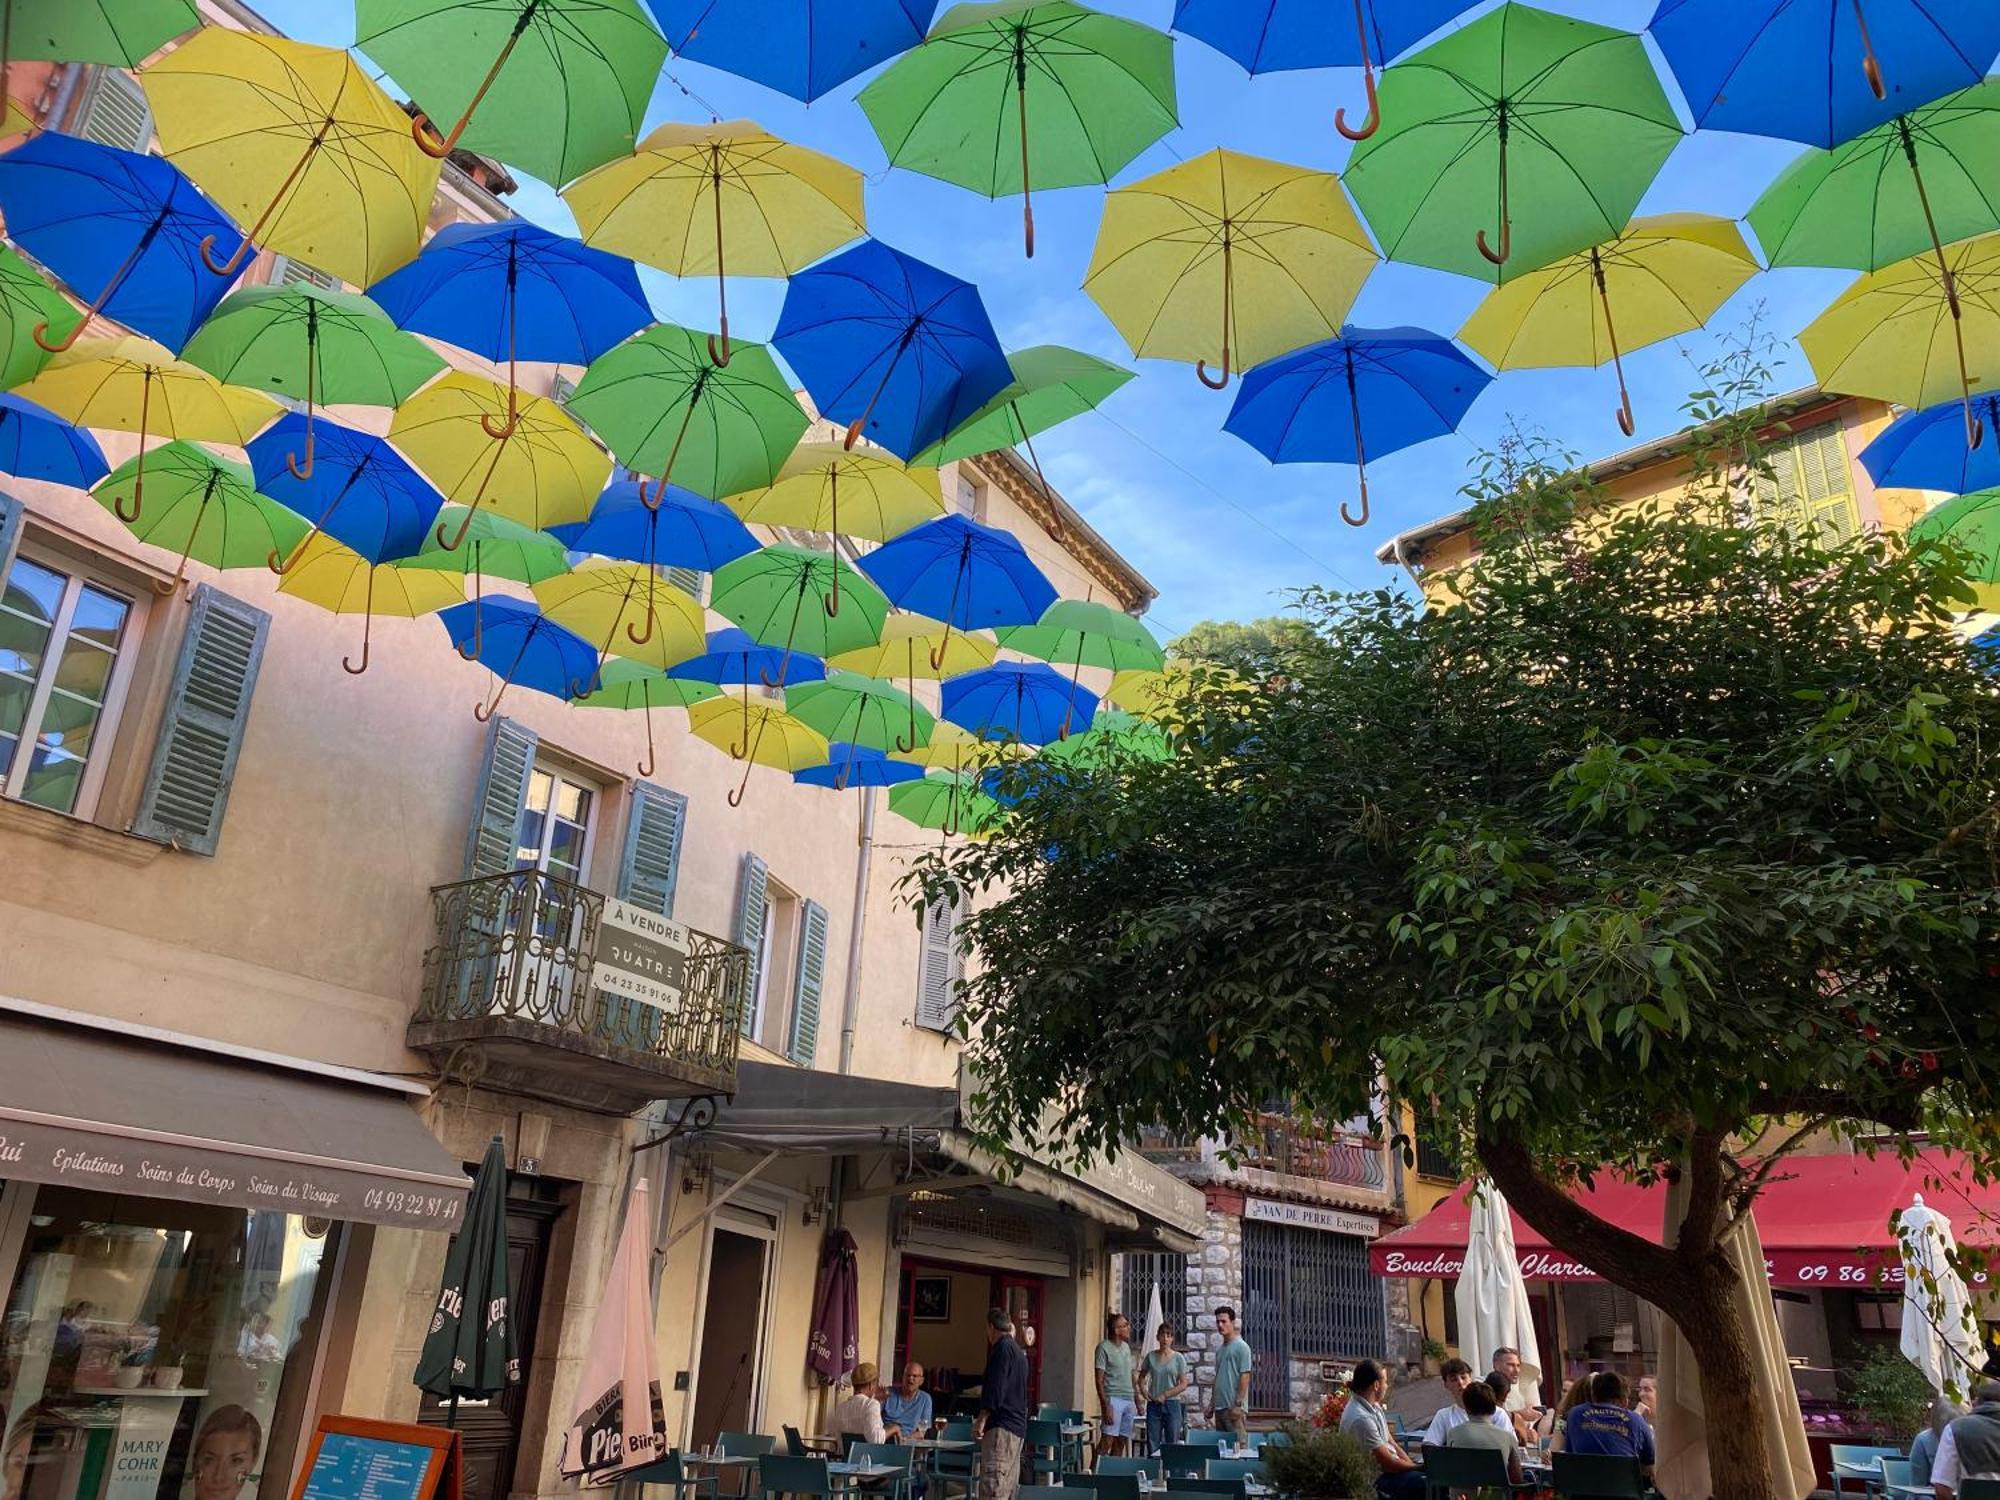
(999, 1285)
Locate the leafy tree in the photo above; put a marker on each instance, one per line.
(1669, 838)
(1242, 645)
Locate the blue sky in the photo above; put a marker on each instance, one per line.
(1221, 532)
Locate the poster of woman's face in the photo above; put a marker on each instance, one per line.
(226, 1453)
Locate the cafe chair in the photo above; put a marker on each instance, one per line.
(1207, 1437)
(955, 1470)
(1592, 1476)
(1451, 1471)
(1149, 1467)
(668, 1473)
(796, 1445)
(886, 1456)
(802, 1478)
(745, 1444)
(1106, 1486)
(1042, 1452)
(1238, 1487)
(1233, 1468)
(1859, 1456)
(1184, 1460)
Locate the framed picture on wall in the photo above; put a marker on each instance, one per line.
(930, 1299)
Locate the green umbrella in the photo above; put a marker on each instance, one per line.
(1973, 523)
(1079, 633)
(778, 595)
(664, 407)
(208, 508)
(469, 1350)
(623, 683)
(1083, 93)
(951, 804)
(120, 33)
(1560, 125)
(1112, 734)
(493, 547)
(26, 300)
(317, 346)
(858, 710)
(555, 87)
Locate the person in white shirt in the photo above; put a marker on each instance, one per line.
(1970, 1447)
(861, 1412)
(1457, 1375)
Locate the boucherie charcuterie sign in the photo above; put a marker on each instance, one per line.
(1786, 1268)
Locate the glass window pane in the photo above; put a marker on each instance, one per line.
(528, 853)
(69, 723)
(570, 801)
(23, 643)
(54, 778)
(100, 617)
(565, 848)
(33, 589)
(540, 784)
(15, 691)
(84, 669)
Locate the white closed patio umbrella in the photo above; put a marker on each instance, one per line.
(620, 1424)
(1940, 1330)
(1492, 1297)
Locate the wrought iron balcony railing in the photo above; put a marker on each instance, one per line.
(1278, 1143)
(508, 996)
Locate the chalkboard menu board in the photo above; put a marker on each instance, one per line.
(353, 1458)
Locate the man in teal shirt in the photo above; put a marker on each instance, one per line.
(1231, 1398)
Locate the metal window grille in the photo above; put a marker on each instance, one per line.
(1434, 1158)
(1307, 1294)
(1139, 1273)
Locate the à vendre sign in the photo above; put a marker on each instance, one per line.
(641, 956)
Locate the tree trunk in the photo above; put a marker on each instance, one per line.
(1738, 1447)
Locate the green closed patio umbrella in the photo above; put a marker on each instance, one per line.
(469, 1350)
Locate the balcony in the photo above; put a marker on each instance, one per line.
(1283, 1155)
(508, 1002)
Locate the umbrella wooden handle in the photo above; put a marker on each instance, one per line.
(1498, 257)
(1371, 122)
(506, 429)
(640, 637)
(229, 267)
(1625, 423)
(719, 356)
(1216, 384)
(292, 463)
(1347, 515)
(433, 145)
(129, 517)
(347, 664)
(60, 344)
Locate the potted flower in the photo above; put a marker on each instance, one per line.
(1319, 1463)
(167, 1375)
(131, 1371)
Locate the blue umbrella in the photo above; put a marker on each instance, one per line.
(1925, 450)
(687, 531)
(1821, 71)
(522, 647)
(1273, 36)
(363, 493)
(124, 230)
(1372, 390)
(1028, 701)
(35, 443)
(514, 291)
(898, 350)
(803, 48)
(849, 764)
(734, 659)
(955, 570)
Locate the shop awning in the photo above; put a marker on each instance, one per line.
(124, 1111)
(1825, 1221)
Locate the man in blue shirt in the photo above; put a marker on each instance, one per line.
(908, 1407)
(1607, 1424)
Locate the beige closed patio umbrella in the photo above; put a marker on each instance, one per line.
(1680, 1422)
(1492, 1297)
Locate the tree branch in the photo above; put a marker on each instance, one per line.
(1707, 1179)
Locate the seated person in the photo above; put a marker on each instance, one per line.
(1607, 1424)
(861, 1412)
(1923, 1451)
(1457, 1377)
(1365, 1420)
(1479, 1431)
(907, 1409)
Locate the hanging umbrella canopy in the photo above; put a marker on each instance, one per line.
(834, 1345)
(953, 749)
(950, 804)
(1546, 129)
(804, 48)
(469, 1349)
(122, 229)
(722, 199)
(313, 345)
(1025, 701)
(342, 581)
(682, 531)
(1972, 523)
(523, 647)
(1926, 450)
(27, 302)
(203, 507)
(905, 651)
(1369, 392)
(1941, 1333)
(732, 658)
(664, 407)
(968, 575)
(361, 491)
(627, 610)
(119, 33)
(846, 706)
(779, 596)
(1893, 335)
(897, 350)
(758, 734)
(1082, 92)
(1821, 71)
(297, 142)
(494, 548)
(35, 443)
(1228, 260)
(1051, 384)
(1492, 1296)
(619, 1424)
(1086, 634)
(852, 765)
(1113, 736)
(1663, 276)
(626, 684)
(823, 487)
(551, 86)
(542, 472)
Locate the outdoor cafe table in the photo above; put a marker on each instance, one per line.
(742, 1463)
(1151, 1486)
(848, 1473)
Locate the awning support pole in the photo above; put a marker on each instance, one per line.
(727, 1193)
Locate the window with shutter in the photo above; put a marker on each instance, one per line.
(652, 856)
(690, 581)
(201, 733)
(752, 918)
(1810, 490)
(941, 968)
(288, 272)
(808, 985)
(495, 835)
(114, 111)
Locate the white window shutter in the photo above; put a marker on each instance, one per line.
(288, 272)
(941, 969)
(114, 111)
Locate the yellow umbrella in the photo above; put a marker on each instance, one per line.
(131, 384)
(1886, 337)
(540, 472)
(775, 207)
(957, 750)
(905, 651)
(1228, 257)
(339, 579)
(1665, 275)
(15, 120)
(758, 734)
(295, 141)
(629, 609)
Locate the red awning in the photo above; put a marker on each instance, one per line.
(1825, 1221)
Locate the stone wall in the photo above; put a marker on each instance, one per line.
(1214, 1279)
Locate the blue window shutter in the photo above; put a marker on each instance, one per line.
(750, 893)
(12, 515)
(940, 967)
(496, 807)
(652, 857)
(201, 731)
(809, 985)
